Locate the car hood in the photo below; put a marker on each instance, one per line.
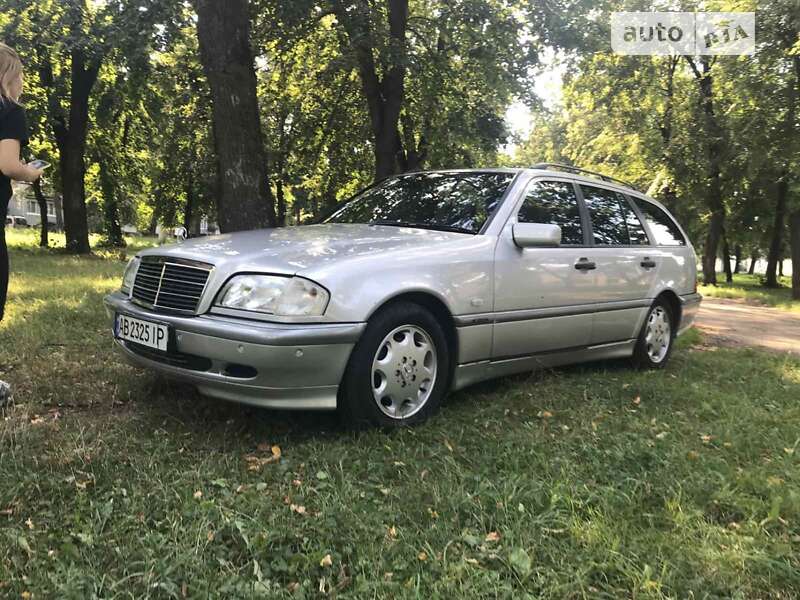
(291, 250)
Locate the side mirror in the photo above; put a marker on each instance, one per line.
(530, 235)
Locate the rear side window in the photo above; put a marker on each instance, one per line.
(556, 203)
(663, 228)
(614, 223)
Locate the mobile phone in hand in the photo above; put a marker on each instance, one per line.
(39, 164)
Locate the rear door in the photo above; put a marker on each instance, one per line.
(542, 301)
(626, 264)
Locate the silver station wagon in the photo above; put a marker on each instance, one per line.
(423, 283)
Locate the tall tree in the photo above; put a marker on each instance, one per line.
(382, 80)
(67, 44)
(714, 155)
(244, 199)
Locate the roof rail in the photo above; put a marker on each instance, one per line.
(579, 171)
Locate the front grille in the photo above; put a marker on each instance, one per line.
(167, 283)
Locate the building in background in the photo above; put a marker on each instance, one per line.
(23, 204)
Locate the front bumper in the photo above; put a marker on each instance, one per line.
(690, 304)
(295, 366)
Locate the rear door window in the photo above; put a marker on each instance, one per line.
(662, 227)
(608, 219)
(555, 203)
(614, 222)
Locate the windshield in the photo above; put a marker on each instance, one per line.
(459, 202)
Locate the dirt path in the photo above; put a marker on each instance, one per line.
(737, 323)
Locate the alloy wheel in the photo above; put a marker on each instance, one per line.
(404, 371)
(658, 334)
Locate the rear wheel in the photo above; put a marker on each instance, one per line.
(399, 370)
(654, 346)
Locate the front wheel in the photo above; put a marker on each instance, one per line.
(399, 370)
(654, 346)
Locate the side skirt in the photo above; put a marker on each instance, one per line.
(470, 373)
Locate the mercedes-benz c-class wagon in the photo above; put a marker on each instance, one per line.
(424, 283)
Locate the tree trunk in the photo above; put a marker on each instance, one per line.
(190, 201)
(70, 133)
(281, 197)
(776, 243)
(113, 228)
(780, 269)
(710, 248)
(244, 198)
(384, 95)
(753, 261)
(794, 227)
(59, 202)
(737, 252)
(726, 259)
(42, 202)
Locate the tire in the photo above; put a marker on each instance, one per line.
(657, 337)
(399, 370)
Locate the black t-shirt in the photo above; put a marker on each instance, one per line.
(13, 126)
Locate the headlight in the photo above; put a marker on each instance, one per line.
(129, 276)
(280, 296)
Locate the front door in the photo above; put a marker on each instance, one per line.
(541, 294)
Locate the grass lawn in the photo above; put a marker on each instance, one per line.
(748, 288)
(589, 481)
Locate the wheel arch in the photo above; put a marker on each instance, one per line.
(674, 303)
(440, 311)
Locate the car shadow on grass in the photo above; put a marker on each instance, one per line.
(181, 404)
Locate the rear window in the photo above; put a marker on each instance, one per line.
(662, 227)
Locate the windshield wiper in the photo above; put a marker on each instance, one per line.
(431, 226)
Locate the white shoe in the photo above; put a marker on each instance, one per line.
(5, 394)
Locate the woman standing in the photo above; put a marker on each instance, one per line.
(13, 137)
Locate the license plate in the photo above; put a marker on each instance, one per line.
(146, 333)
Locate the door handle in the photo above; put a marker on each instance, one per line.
(648, 263)
(584, 264)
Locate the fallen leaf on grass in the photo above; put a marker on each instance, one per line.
(492, 536)
(662, 435)
(391, 533)
(706, 438)
(197, 495)
(300, 510)
(326, 561)
(789, 451)
(448, 445)
(423, 556)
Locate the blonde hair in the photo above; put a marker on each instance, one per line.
(10, 71)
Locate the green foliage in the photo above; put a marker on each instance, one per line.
(641, 119)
